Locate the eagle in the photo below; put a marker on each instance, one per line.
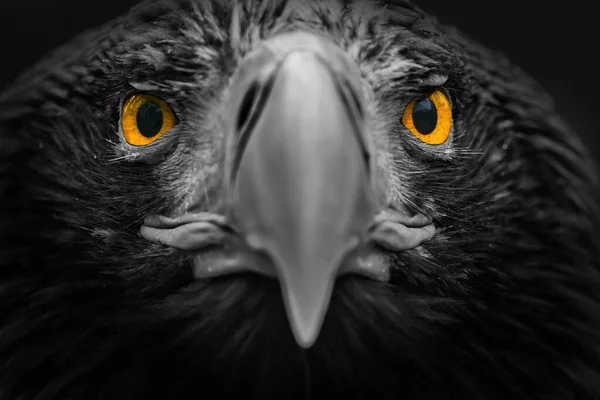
(292, 199)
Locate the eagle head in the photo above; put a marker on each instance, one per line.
(292, 199)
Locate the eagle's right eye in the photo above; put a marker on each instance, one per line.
(145, 118)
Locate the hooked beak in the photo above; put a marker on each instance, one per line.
(299, 174)
(301, 180)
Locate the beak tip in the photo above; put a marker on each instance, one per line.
(305, 339)
(306, 310)
(305, 331)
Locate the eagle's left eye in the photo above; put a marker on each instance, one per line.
(429, 119)
(145, 118)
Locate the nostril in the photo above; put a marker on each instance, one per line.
(247, 104)
(354, 99)
(250, 109)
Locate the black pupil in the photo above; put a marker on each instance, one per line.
(424, 116)
(149, 119)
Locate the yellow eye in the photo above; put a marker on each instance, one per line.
(145, 118)
(429, 119)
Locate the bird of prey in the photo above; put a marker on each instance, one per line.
(292, 199)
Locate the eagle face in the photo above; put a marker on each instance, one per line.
(291, 199)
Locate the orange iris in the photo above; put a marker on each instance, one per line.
(145, 118)
(429, 119)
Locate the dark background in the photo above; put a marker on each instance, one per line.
(554, 43)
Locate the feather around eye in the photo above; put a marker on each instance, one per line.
(145, 118)
(429, 119)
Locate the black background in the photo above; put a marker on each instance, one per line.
(555, 43)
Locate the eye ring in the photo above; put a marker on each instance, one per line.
(429, 119)
(145, 118)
